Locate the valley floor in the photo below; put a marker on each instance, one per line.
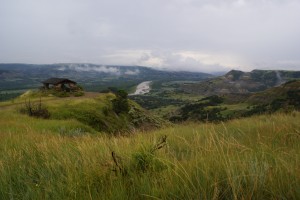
(250, 158)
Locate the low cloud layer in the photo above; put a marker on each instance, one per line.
(194, 35)
(88, 68)
(98, 69)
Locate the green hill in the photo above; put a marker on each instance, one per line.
(285, 97)
(280, 92)
(282, 98)
(91, 113)
(238, 82)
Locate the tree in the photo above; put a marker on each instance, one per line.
(120, 103)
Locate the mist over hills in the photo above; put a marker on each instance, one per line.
(91, 76)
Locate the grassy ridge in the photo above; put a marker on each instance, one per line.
(92, 112)
(255, 158)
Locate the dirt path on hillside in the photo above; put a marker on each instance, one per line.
(87, 95)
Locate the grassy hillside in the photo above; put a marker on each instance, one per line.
(252, 158)
(90, 113)
(238, 82)
(280, 92)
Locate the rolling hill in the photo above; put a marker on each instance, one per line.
(91, 113)
(283, 91)
(238, 82)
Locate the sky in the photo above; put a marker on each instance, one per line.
(187, 35)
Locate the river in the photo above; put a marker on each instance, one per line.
(142, 88)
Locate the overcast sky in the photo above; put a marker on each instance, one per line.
(194, 35)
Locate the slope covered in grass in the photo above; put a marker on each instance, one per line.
(280, 92)
(239, 82)
(94, 112)
(251, 158)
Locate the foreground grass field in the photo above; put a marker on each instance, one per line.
(251, 158)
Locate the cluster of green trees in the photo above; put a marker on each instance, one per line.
(153, 102)
(290, 102)
(120, 103)
(35, 109)
(201, 111)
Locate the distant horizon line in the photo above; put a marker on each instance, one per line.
(156, 68)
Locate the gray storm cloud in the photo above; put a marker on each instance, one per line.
(194, 35)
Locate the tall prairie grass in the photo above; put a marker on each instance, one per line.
(251, 158)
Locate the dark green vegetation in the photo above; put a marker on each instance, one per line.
(206, 109)
(152, 102)
(121, 104)
(283, 98)
(290, 88)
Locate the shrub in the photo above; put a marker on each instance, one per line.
(105, 110)
(145, 159)
(120, 103)
(201, 110)
(142, 161)
(35, 110)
